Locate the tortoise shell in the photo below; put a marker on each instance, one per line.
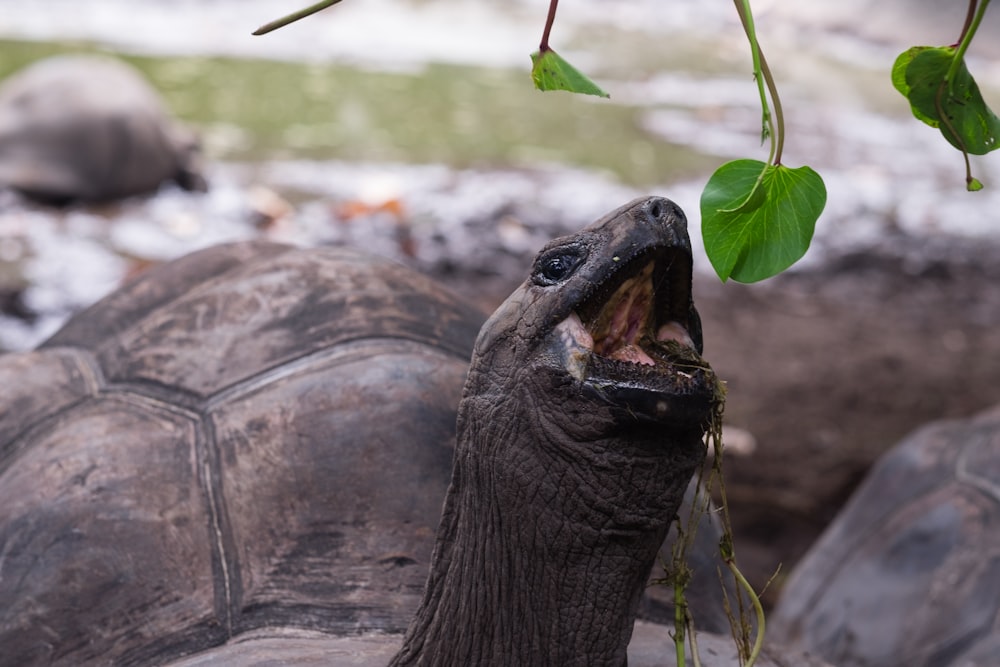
(909, 572)
(89, 128)
(253, 438)
(169, 460)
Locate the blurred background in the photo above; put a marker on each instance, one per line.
(410, 128)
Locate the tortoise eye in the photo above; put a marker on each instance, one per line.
(557, 265)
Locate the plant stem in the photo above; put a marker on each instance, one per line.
(679, 634)
(972, 21)
(968, 32)
(729, 554)
(758, 608)
(694, 644)
(779, 115)
(969, 178)
(946, 123)
(762, 76)
(293, 17)
(680, 577)
(544, 46)
(971, 12)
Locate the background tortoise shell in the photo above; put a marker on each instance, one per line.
(909, 572)
(90, 128)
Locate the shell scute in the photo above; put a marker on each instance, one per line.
(180, 475)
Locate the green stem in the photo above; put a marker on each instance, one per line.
(758, 608)
(762, 79)
(970, 12)
(779, 115)
(679, 629)
(293, 17)
(967, 34)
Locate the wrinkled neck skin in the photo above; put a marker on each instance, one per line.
(551, 525)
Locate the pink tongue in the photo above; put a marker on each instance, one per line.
(624, 327)
(633, 354)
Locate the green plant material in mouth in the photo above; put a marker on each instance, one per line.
(686, 357)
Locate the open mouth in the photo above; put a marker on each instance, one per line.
(637, 333)
(643, 312)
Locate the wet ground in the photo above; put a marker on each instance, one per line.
(443, 158)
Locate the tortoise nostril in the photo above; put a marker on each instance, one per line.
(662, 211)
(656, 209)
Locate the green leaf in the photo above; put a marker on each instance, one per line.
(550, 72)
(899, 80)
(955, 107)
(758, 219)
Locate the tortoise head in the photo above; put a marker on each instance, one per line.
(606, 322)
(579, 429)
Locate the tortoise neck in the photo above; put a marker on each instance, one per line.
(519, 576)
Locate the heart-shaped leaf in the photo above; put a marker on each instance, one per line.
(550, 71)
(758, 219)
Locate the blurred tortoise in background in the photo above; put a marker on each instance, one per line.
(90, 128)
(241, 455)
(909, 572)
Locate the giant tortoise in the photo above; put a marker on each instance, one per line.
(908, 575)
(240, 459)
(81, 127)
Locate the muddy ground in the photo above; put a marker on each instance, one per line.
(829, 367)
